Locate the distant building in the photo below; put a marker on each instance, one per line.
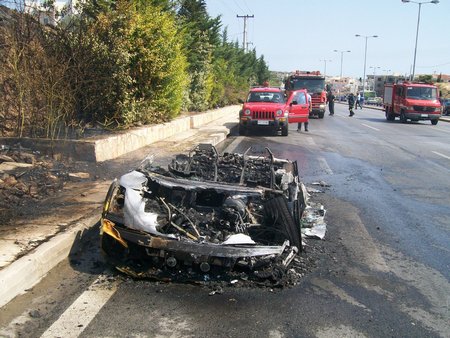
(342, 86)
(51, 15)
(441, 78)
(376, 82)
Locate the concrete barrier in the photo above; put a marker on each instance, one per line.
(107, 147)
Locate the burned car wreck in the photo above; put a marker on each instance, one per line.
(206, 214)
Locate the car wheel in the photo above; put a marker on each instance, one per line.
(321, 114)
(403, 117)
(284, 131)
(434, 122)
(389, 115)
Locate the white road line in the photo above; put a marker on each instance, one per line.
(324, 165)
(78, 316)
(365, 125)
(442, 155)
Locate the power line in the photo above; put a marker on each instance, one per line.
(442, 64)
(245, 3)
(226, 5)
(238, 6)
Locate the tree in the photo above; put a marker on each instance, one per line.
(426, 78)
(201, 35)
(157, 65)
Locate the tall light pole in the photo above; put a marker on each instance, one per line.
(417, 30)
(325, 67)
(365, 57)
(342, 57)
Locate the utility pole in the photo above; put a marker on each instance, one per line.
(244, 40)
(247, 44)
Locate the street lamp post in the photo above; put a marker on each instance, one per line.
(417, 30)
(325, 67)
(342, 57)
(365, 57)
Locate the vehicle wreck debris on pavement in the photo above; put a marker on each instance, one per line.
(207, 215)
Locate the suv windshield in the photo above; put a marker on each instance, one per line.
(421, 93)
(275, 97)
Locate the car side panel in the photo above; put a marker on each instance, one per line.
(298, 107)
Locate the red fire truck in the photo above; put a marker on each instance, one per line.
(413, 101)
(314, 82)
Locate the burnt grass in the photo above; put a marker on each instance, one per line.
(35, 190)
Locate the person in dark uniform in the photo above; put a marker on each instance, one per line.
(351, 103)
(330, 99)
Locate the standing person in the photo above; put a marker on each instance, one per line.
(330, 99)
(358, 101)
(299, 125)
(351, 103)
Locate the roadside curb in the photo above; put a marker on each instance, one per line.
(103, 148)
(27, 271)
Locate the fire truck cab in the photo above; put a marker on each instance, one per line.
(314, 83)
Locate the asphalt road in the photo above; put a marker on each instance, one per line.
(383, 269)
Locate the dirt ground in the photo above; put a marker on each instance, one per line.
(28, 179)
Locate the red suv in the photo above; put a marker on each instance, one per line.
(267, 108)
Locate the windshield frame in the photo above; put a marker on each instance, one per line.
(259, 97)
(312, 85)
(421, 93)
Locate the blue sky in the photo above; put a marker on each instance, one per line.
(297, 34)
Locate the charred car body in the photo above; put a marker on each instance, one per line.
(206, 213)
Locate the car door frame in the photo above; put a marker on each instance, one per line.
(298, 112)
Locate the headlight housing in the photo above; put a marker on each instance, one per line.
(247, 112)
(279, 112)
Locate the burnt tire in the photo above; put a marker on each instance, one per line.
(277, 210)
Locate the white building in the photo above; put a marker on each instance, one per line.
(50, 15)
